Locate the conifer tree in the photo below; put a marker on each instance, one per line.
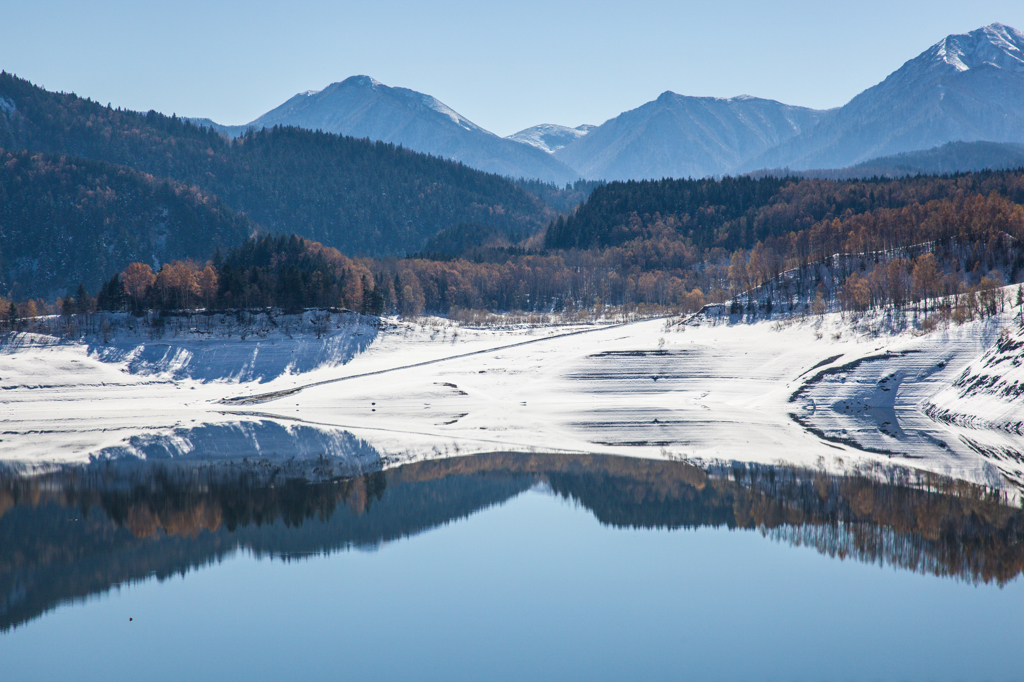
(82, 302)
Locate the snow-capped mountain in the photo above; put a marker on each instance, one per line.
(361, 106)
(966, 87)
(679, 136)
(345, 105)
(549, 136)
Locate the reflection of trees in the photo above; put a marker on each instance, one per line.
(178, 508)
(81, 531)
(891, 516)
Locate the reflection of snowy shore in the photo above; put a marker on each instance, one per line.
(802, 391)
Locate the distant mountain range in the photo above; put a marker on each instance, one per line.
(967, 87)
(952, 157)
(162, 187)
(363, 107)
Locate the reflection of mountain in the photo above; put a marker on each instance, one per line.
(77, 532)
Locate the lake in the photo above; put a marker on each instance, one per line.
(507, 567)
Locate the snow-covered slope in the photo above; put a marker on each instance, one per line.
(678, 137)
(881, 401)
(256, 349)
(340, 105)
(361, 106)
(989, 392)
(133, 388)
(804, 391)
(966, 87)
(549, 136)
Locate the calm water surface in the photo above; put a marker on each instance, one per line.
(506, 568)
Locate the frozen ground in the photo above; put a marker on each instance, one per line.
(824, 392)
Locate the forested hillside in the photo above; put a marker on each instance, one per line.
(68, 221)
(361, 197)
(737, 212)
(952, 157)
(946, 257)
(936, 243)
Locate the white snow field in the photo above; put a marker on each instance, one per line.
(814, 391)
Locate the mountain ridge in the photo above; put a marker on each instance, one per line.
(682, 136)
(363, 107)
(948, 159)
(966, 87)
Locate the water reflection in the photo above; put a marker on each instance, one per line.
(264, 440)
(79, 531)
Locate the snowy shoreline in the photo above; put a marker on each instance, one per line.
(366, 393)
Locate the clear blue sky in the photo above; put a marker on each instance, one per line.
(505, 66)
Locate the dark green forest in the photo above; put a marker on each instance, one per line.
(65, 221)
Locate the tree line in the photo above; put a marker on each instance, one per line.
(733, 213)
(948, 255)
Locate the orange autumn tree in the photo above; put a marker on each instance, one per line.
(137, 278)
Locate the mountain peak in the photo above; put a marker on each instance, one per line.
(363, 107)
(361, 81)
(995, 45)
(966, 87)
(550, 137)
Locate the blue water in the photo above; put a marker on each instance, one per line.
(535, 589)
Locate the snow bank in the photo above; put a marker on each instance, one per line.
(878, 400)
(239, 347)
(985, 403)
(989, 392)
